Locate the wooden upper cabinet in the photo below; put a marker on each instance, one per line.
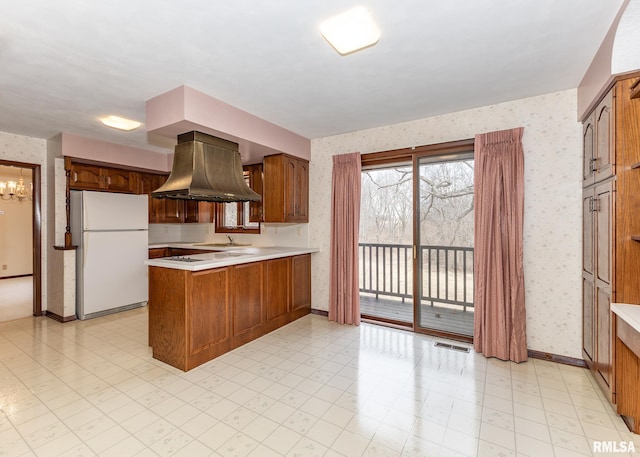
(286, 189)
(199, 212)
(588, 148)
(117, 180)
(255, 173)
(95, 177)
(604, 153)
(86, 177)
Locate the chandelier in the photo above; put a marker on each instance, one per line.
(17, 191)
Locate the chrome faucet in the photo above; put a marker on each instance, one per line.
(230, 239)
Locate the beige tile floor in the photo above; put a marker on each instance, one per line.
(16, 298)
(312, 388)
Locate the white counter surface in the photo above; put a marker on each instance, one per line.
(222, 256)
(628, 313)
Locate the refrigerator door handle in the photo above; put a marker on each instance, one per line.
(85, 248)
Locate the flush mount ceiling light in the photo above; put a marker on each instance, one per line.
(120, 123)
(350, 31)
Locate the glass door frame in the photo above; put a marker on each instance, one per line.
(410, 155)
(435, 157)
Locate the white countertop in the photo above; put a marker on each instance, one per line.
(628, 313)
(223, 256)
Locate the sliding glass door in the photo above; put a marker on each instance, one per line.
(385, 245)
(444, 244)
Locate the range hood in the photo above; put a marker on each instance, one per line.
(206, 168)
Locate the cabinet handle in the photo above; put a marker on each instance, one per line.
(596, 204)
(108, 180)
(593, 167)
(75, 176)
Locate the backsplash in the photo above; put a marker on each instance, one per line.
(294, 235)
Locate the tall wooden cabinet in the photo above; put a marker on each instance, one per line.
(611, 205)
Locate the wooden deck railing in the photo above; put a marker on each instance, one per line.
(387, 270)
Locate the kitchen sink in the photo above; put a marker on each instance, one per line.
(221, 255)
(223, 244)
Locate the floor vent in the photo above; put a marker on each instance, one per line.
(453, 347)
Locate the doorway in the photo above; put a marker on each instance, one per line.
(20, 246)
(416, 239)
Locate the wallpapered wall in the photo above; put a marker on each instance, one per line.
(553, 219)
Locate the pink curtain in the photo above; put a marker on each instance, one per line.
(344, 296)
(500, 316)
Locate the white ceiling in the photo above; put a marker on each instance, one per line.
(65, 63)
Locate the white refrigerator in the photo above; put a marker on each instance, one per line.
(111, 232)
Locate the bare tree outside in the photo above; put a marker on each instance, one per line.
(445, 247)
(446, 204)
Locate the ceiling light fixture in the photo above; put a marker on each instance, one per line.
(120, 123)
(350, 31)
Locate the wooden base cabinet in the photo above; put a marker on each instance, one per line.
(628, 369)
(197, 316)
(611, 199)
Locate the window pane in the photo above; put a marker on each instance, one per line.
(230, 214)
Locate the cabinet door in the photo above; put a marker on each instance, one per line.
(604, 153)
(198, 212)
(209, 312)
(86, 177)
(256, 183)
(296, 190)
(588, 319)
(248, 303)
(588, 203)
(117, 180)
(167, 210)
(604, 229)
(588, 277)
(301, 186)
(301, 282)
(603, 305)
(588, 142)
(277, 288)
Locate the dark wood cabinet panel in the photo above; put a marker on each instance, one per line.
(277, 287)
(117, 180)
(628, 369)
(255, 173)
(286, 189)
(604, 334)
(86, 177)
(588, 150)
(301, 282)
(157, 253)
(210, 308)
(167, 316)
(248, 306)
(604, 152)
(199, 212)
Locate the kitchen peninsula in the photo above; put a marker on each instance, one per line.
(203, 305)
